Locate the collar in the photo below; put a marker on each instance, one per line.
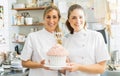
(81, 34)
(47, 32)
(83, 31)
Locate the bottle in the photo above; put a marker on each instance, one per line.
(14, 21)
(17, 49)
(22, 20)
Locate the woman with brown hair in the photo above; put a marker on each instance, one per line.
(87, 50)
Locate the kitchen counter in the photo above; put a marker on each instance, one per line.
(13, 68)
(111, 73)
(13, 74)
(9, 72)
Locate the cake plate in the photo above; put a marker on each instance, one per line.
(55, 67)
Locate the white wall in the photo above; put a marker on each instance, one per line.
(10, 28)
(115, 39)
(4, 31)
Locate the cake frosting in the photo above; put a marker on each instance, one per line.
(57, 56)
(57, 50)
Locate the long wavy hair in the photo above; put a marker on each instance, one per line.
(50, 8)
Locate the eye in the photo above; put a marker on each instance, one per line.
(73, 17)
(54, 17)
(48, 17)
(80, 17)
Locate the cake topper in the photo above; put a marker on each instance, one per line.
(58, 36)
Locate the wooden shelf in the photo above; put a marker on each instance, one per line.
(34, 24)
(19, 42)
(35, 8)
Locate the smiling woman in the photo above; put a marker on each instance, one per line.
(38, 43)
(87, 50)
(51, 19)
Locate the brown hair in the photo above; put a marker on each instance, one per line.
(73, 7)
(50, 8)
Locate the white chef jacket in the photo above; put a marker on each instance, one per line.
(35, 48)
(86, 47)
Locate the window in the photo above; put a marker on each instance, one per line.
(115, 11)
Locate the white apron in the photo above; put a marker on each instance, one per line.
(85, 47)
(40, 41)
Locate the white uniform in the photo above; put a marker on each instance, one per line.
(86, 47)
(40, 41)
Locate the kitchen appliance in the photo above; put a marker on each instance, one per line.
(17, 49)
(115, 57)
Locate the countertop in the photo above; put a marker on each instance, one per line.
(9, 72)
(111, 73)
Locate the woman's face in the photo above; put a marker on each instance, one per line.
(77, 19)
(51, 20)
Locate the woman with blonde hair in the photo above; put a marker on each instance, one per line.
(38, 43)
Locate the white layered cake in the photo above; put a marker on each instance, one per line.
(57, 56)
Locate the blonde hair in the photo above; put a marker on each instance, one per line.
(50, 8)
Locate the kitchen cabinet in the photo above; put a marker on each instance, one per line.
(19, 37)
(18, 20)
(23, 29)
(28, 18)
(33, 8)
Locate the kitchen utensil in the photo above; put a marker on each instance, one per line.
(25, 14)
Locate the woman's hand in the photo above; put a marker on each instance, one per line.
(72, 67)
(63, 71)
(43, 65)
(67, 60)
(92, 68)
